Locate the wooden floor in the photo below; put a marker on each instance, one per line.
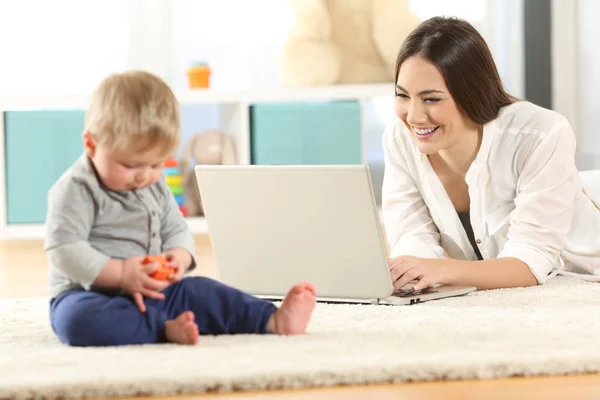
(23, 273)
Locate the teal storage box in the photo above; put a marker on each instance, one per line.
(306, 133)
(40, 146)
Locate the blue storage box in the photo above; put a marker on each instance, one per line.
(40, 146)
(306, 133)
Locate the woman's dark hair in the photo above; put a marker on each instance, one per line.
(463, 58)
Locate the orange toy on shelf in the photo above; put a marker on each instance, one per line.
(162, 272)
(199, 76)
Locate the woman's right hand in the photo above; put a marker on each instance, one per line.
(135, 279)
(405, 269)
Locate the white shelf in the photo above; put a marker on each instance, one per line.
(233, 118)
(309, 93)
(44, 102)
(211, 96)
(23, 231)
(197, 226)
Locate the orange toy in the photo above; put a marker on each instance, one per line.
(199, 76)
(162, 272)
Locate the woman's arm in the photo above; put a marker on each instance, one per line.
(487, 274)
(538, 225)
(544, 202)
(408, 224)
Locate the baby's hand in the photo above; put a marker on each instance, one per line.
(135, 279)
(180, 259)
(162, 273)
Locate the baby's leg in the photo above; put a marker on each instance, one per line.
(217, 308)
(221, 309)
(85, 318)
(182, 329)
(296, 309)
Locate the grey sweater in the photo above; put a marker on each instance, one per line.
(87, 224)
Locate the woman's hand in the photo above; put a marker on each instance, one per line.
(405, 269)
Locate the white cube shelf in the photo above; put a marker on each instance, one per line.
(234, 112)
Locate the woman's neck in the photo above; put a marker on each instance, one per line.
(459, 157)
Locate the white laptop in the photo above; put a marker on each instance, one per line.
(274, 226)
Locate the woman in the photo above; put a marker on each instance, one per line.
(480, 188)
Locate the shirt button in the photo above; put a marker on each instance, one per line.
(153, 234)
(478, 241)
(154, 213)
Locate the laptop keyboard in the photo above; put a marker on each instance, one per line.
(408, 292)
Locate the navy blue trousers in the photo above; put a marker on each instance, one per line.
(88, 318)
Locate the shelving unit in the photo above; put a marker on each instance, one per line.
(234, 118)
(211, 96)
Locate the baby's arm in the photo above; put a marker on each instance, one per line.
(174, 231)
(71, 212)
(111, 275)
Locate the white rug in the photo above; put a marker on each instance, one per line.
(550, 330)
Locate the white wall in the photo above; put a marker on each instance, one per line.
(500, 22)
(60, 47)
(576, 73)
(589, 81)
(68, 46)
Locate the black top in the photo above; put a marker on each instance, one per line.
(465, 219)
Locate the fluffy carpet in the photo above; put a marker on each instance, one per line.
(548, 330)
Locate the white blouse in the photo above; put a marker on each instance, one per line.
(526, 197)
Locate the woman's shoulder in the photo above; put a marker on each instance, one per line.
(523, 127)
(524, 116)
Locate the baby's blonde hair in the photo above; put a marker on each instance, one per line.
(134, 111)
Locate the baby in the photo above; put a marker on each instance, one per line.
(111, 209)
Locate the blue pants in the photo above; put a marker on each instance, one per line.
(88, 318)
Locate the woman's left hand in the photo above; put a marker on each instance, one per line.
(180, 259)
(405, 269)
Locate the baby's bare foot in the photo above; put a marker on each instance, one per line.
(295, 311)
(183, 329)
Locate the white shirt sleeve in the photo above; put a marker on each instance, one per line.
(408, 224)
(544, 202)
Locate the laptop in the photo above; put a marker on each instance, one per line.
(272, 226)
